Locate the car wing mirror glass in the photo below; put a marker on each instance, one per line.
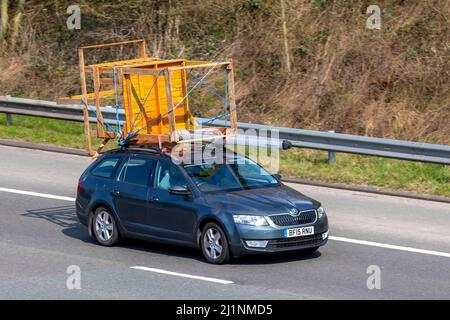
(277, 176)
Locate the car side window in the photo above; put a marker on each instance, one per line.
(136, 170)
(121, 170)
(106, 168)
(168, 176)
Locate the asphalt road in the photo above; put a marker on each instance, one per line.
(409, 240)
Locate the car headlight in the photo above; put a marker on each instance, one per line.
(321, 212)
(250, 220)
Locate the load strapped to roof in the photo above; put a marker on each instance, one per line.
(154, 96)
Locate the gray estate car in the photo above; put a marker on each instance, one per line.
(226, 210)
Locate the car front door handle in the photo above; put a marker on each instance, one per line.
(154, 199)
(115, 192)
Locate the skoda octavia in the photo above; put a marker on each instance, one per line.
(225, 209)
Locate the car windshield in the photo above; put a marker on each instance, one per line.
(240, 173)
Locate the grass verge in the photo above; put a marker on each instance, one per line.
(389, 174)
(307, 164)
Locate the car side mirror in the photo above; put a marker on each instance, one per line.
(277, 176)
(180, 190)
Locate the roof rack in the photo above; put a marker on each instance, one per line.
(142, 148)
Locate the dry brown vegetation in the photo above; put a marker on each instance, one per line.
(392, 82)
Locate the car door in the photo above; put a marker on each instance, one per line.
(173, 215)
(131, 192)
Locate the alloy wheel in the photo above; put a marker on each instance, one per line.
(104, 226)
(213, 243)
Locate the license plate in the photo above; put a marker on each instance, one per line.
(298, 232)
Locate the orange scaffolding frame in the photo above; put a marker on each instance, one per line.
(152, 91)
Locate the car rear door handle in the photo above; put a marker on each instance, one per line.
(115, 192)
(154, 199)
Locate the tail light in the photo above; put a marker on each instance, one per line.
(80, 185)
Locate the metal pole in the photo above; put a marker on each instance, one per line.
(331, 154)
(8, 119)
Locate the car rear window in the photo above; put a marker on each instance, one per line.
(105, 168)
(136, 171)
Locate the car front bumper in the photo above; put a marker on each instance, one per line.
(276, 242)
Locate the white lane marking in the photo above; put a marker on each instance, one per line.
(391, 246)
(36, 194)
(184, 275)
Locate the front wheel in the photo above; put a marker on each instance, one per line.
(214, 244)
(105, 227)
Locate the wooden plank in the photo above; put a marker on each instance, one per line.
(142, 49)
(109, 65)
(100, 148)
(87, 128)
(138, 107)
(205, 65)
(100, 123)
(232, 99)
(150, 139)
(158, 64)
(140, 71)
(106, 134)
(120, 95)
(137, 63)
(112, 44)
(90, 97)
(159, 123)
(187, 112)
(170, 106)
(192, 62)
(106, 81)
(128, 102)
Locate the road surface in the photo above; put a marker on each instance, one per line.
(40, 238)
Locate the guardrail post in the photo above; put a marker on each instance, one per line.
(331, 154)
(8, 119)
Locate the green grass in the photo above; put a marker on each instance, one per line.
(307, 164)
(48, 131)
(64, 133)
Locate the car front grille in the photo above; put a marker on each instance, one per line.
(304, 217)
(295, 242)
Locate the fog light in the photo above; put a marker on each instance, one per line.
(256, 243)
(324, 235)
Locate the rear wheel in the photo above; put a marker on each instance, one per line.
(214, 244)
(105, 227)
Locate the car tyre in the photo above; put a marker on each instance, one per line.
(104, 227)
(214, 244)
